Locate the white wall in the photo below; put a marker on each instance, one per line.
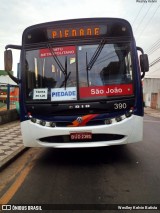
(151, 85)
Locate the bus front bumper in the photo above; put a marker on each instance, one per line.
(35, 135)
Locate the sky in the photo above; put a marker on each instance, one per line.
(143, 15)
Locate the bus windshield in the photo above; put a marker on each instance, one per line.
(79, 72)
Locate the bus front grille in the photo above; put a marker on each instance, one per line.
(95, 138)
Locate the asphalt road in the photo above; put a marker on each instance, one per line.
(126, 175)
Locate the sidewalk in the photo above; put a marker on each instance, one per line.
(10, 142)
(152, 112)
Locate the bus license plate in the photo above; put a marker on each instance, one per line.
(80, 136)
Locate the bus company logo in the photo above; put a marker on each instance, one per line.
(79, 120)
(6, 207)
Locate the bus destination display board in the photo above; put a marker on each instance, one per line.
(82, 31)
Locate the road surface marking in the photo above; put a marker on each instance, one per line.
(20, 179)
(16, 185)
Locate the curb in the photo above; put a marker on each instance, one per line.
(10, 158)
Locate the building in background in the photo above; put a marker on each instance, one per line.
(151, 90)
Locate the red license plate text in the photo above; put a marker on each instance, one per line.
(80, 136)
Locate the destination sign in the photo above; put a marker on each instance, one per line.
(82, 31)
(104, 91)
(64, 94)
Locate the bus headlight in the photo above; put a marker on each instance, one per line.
(43, 123)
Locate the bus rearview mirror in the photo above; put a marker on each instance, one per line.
(144, 63)
(8, 64)
(8, 60)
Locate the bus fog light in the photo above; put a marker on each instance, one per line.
(128, 114)
(33, 120)
(43, 123)
(118, 119)
(108, 121)
(52, 124)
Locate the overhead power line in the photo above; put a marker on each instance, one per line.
(154, 49)
(153, 45)
(144, 17)
(137, 15)
(154, 62)
(145, 27)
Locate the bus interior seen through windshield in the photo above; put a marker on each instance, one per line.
(84, 68)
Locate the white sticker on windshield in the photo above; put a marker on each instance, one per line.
(72, 60)
(62, 94)
(40, 93)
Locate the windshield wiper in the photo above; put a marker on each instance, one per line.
(64, 70)
(66, 77)
(95, 55)
(56, 59)
(87, 69)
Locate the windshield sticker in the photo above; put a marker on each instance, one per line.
(104, 91)
(72, 60)
(62, 94)
(58, 51)
(40, 94)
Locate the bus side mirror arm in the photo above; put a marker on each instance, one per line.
(8, 61)
(144, 62)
